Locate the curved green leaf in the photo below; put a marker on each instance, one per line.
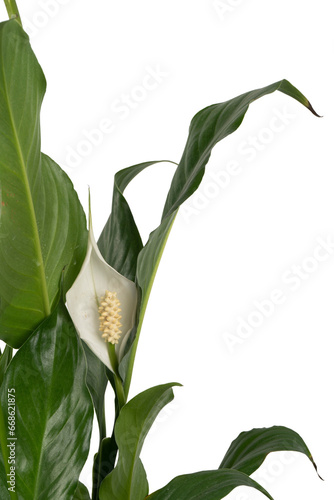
(249, 450)
(81, 493)
(120, 241)
(42, 224)
(208, 485)
(128, 480)
(104, 462)
(53, 411)
(207, 128)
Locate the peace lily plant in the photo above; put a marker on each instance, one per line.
(66, 354)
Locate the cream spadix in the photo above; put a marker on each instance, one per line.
(102, 304)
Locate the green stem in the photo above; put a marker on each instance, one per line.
(118, 381)
(120, 392)
(103, 424)
(13, 11)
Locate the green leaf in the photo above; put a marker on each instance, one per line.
(128, 480)
(104, 462)
(42, 224)
(207, 128)
(208, 485)
(148, 262)
(96, 380)
(54, 411)
(120, 241)
(81, 493)
(5, 358)
(249, 450)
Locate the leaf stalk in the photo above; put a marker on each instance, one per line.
(13, 11)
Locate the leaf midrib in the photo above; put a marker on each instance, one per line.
(31, 211)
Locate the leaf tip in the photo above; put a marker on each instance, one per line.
(315, 466)
(310, 107)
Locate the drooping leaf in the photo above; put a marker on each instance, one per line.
(42, 224)
(81, 493)
(96, 380)
(5, 358)
(120, 241)
(54, 411)
(249, 450)
(128, 480)
(208, 485)
(207, 128)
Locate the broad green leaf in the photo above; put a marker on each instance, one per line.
(208, 485)
(42, 224)
(249, 450)
(120, 241)
(96, 380)
(207, 128)
(54, 411)
(128, 480)
(81, 493)
(5, 358)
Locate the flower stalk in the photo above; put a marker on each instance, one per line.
(13, 11)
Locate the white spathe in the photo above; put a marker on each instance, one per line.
(83, 300)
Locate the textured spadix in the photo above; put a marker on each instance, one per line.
(84, 299)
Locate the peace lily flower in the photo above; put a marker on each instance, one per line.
(102, 305)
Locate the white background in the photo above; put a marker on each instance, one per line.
(232, 244)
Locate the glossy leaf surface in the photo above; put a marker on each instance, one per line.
(54, 411)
